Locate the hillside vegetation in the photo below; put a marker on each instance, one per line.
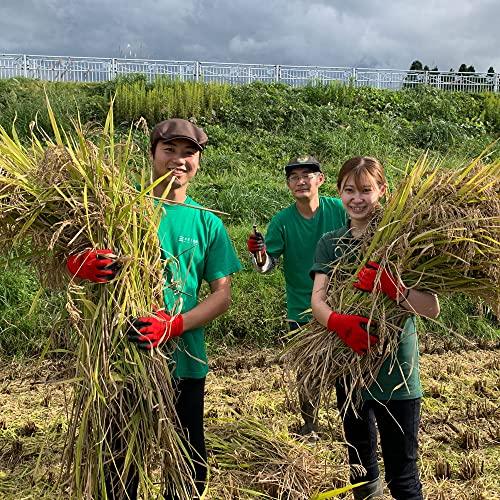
(253, 130)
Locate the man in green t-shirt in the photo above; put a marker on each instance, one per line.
(294, 233)
(196, 248)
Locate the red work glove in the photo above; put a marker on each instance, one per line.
(255, 243)
(351, 329)
(98, 266)
(387, 283)
(149, 332)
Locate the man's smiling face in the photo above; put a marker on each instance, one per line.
(181, 157)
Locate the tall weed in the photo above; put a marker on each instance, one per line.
(166, 98)
(491, 113)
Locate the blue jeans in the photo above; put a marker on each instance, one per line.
(397, 422)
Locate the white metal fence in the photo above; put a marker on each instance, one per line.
(98, 69)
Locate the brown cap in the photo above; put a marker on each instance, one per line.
(304, 161)
(177, 128)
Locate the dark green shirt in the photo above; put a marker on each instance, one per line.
(399, 376)
(196, 247)
(294, 237)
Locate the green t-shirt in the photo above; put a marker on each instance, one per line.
(399, 376)
(196, 247)
(295, 237)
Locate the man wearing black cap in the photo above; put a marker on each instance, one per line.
(195, 247)
(293, 233)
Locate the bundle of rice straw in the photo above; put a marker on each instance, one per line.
(258, 459)
(439, 232)
(60, 197)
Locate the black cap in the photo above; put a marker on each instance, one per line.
(177, 128)
(305, 161)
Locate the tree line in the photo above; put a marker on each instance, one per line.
(462, 79)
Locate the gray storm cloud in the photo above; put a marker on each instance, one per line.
(329, 33)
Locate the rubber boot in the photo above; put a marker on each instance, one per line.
(369, 491)
(309, 429)
(309, 414)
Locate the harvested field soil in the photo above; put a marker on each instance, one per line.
(460, 431)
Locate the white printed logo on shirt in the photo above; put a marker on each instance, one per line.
(187, 239)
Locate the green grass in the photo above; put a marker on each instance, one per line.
(29, 315)
(23, 100)
(258, 309)
(462, 323)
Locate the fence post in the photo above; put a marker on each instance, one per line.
(113, 68)
(426, 77)
(497, 79)
(277, 72)
(354, 77)
(25, 66)
(197, 70)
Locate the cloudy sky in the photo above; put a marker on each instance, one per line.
(369, 33)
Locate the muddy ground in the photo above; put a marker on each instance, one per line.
(460, 431)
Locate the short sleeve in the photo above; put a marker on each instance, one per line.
(275, 241)
(221, 259)
(324, 255)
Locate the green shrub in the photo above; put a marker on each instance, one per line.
(23, 101)
(425, 102)
(434, 134)
(273, 107)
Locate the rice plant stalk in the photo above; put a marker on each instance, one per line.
(263, 461)
(63, 196)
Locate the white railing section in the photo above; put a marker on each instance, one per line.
(99, 69)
